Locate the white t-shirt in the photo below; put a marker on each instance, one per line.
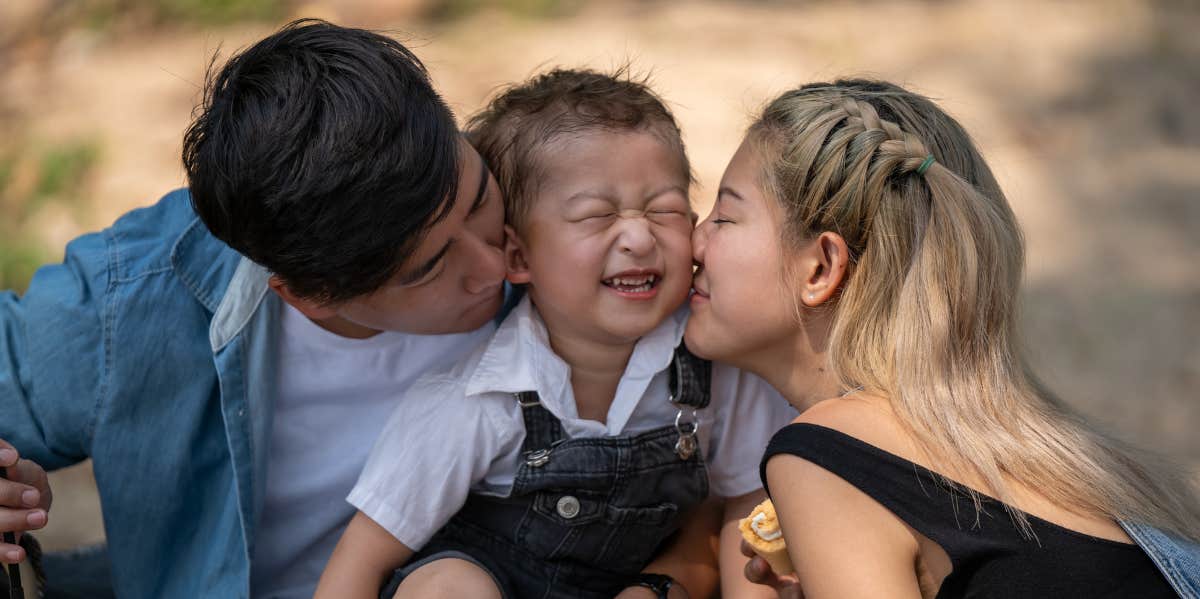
(461, 430)
(334, 394)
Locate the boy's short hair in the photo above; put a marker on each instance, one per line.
(324, 154)
(511, 132)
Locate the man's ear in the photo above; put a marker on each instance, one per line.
(829, 259)
(312, 309)
(514, 257)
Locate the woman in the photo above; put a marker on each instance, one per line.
(863, 260)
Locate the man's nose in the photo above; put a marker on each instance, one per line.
(487, 267)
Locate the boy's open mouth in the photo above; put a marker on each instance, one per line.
(633, 283)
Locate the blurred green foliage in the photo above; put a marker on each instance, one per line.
(129, 15)
(30, 180)
(106, 14)
(448, 10)
(20, 257)
(61, 171)
(218, 11)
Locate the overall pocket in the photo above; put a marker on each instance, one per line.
(555, 521)
(630, 536)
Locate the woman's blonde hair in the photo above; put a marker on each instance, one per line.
(927, 315)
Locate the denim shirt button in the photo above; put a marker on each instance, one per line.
(568, 507)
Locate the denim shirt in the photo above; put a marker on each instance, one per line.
(151, 349)
(1178, 559)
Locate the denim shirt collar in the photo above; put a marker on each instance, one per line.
(204, 264)
(243, 336)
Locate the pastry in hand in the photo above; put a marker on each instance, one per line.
(761, 530)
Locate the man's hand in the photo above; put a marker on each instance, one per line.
(759, 571)
(24, 499)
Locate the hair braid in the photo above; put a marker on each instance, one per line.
(927, 316)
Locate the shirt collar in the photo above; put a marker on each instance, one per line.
(245, 292)
(519, 358)
(223, 281)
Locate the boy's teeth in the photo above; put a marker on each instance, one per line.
(633, 284)
(632, 281)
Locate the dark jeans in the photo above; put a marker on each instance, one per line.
(81, 573)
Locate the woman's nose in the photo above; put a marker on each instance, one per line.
(699, 243)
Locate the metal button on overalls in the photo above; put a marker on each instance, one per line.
(568, 507)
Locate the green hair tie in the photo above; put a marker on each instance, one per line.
(925, 165)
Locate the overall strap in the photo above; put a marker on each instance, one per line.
(542, 429)
(690, 379)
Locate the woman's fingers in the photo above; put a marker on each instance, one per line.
(758, 571)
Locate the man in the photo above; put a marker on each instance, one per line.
(338, 238)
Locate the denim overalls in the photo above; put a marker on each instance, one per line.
(584, 515)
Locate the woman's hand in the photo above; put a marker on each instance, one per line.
(759, 571)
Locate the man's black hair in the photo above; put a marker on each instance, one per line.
(322, 153)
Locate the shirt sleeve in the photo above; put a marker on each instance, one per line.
(53, 349)
(435, 447)
(748, 412)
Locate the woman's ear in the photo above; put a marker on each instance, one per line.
(314, 310)
(828, 258)
(514, 257)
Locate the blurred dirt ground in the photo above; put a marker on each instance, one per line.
(1084, 108)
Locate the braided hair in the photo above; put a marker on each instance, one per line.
(927, 314)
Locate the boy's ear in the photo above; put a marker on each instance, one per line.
(312, 309)
(514, 257)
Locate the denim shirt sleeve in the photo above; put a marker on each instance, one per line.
(53, 351)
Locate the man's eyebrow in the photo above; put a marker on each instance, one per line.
(484, 175)
(730, 191)
(419, 272)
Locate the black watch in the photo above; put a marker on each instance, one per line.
(659, 583)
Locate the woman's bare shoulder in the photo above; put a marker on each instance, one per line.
(847, 543)
(868, 418)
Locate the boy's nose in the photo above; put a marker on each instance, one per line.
(636, 237)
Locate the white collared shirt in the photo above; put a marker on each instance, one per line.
(461, 430)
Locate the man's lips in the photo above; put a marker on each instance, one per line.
(486, 300)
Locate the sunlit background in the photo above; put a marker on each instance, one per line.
(1086, 110)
